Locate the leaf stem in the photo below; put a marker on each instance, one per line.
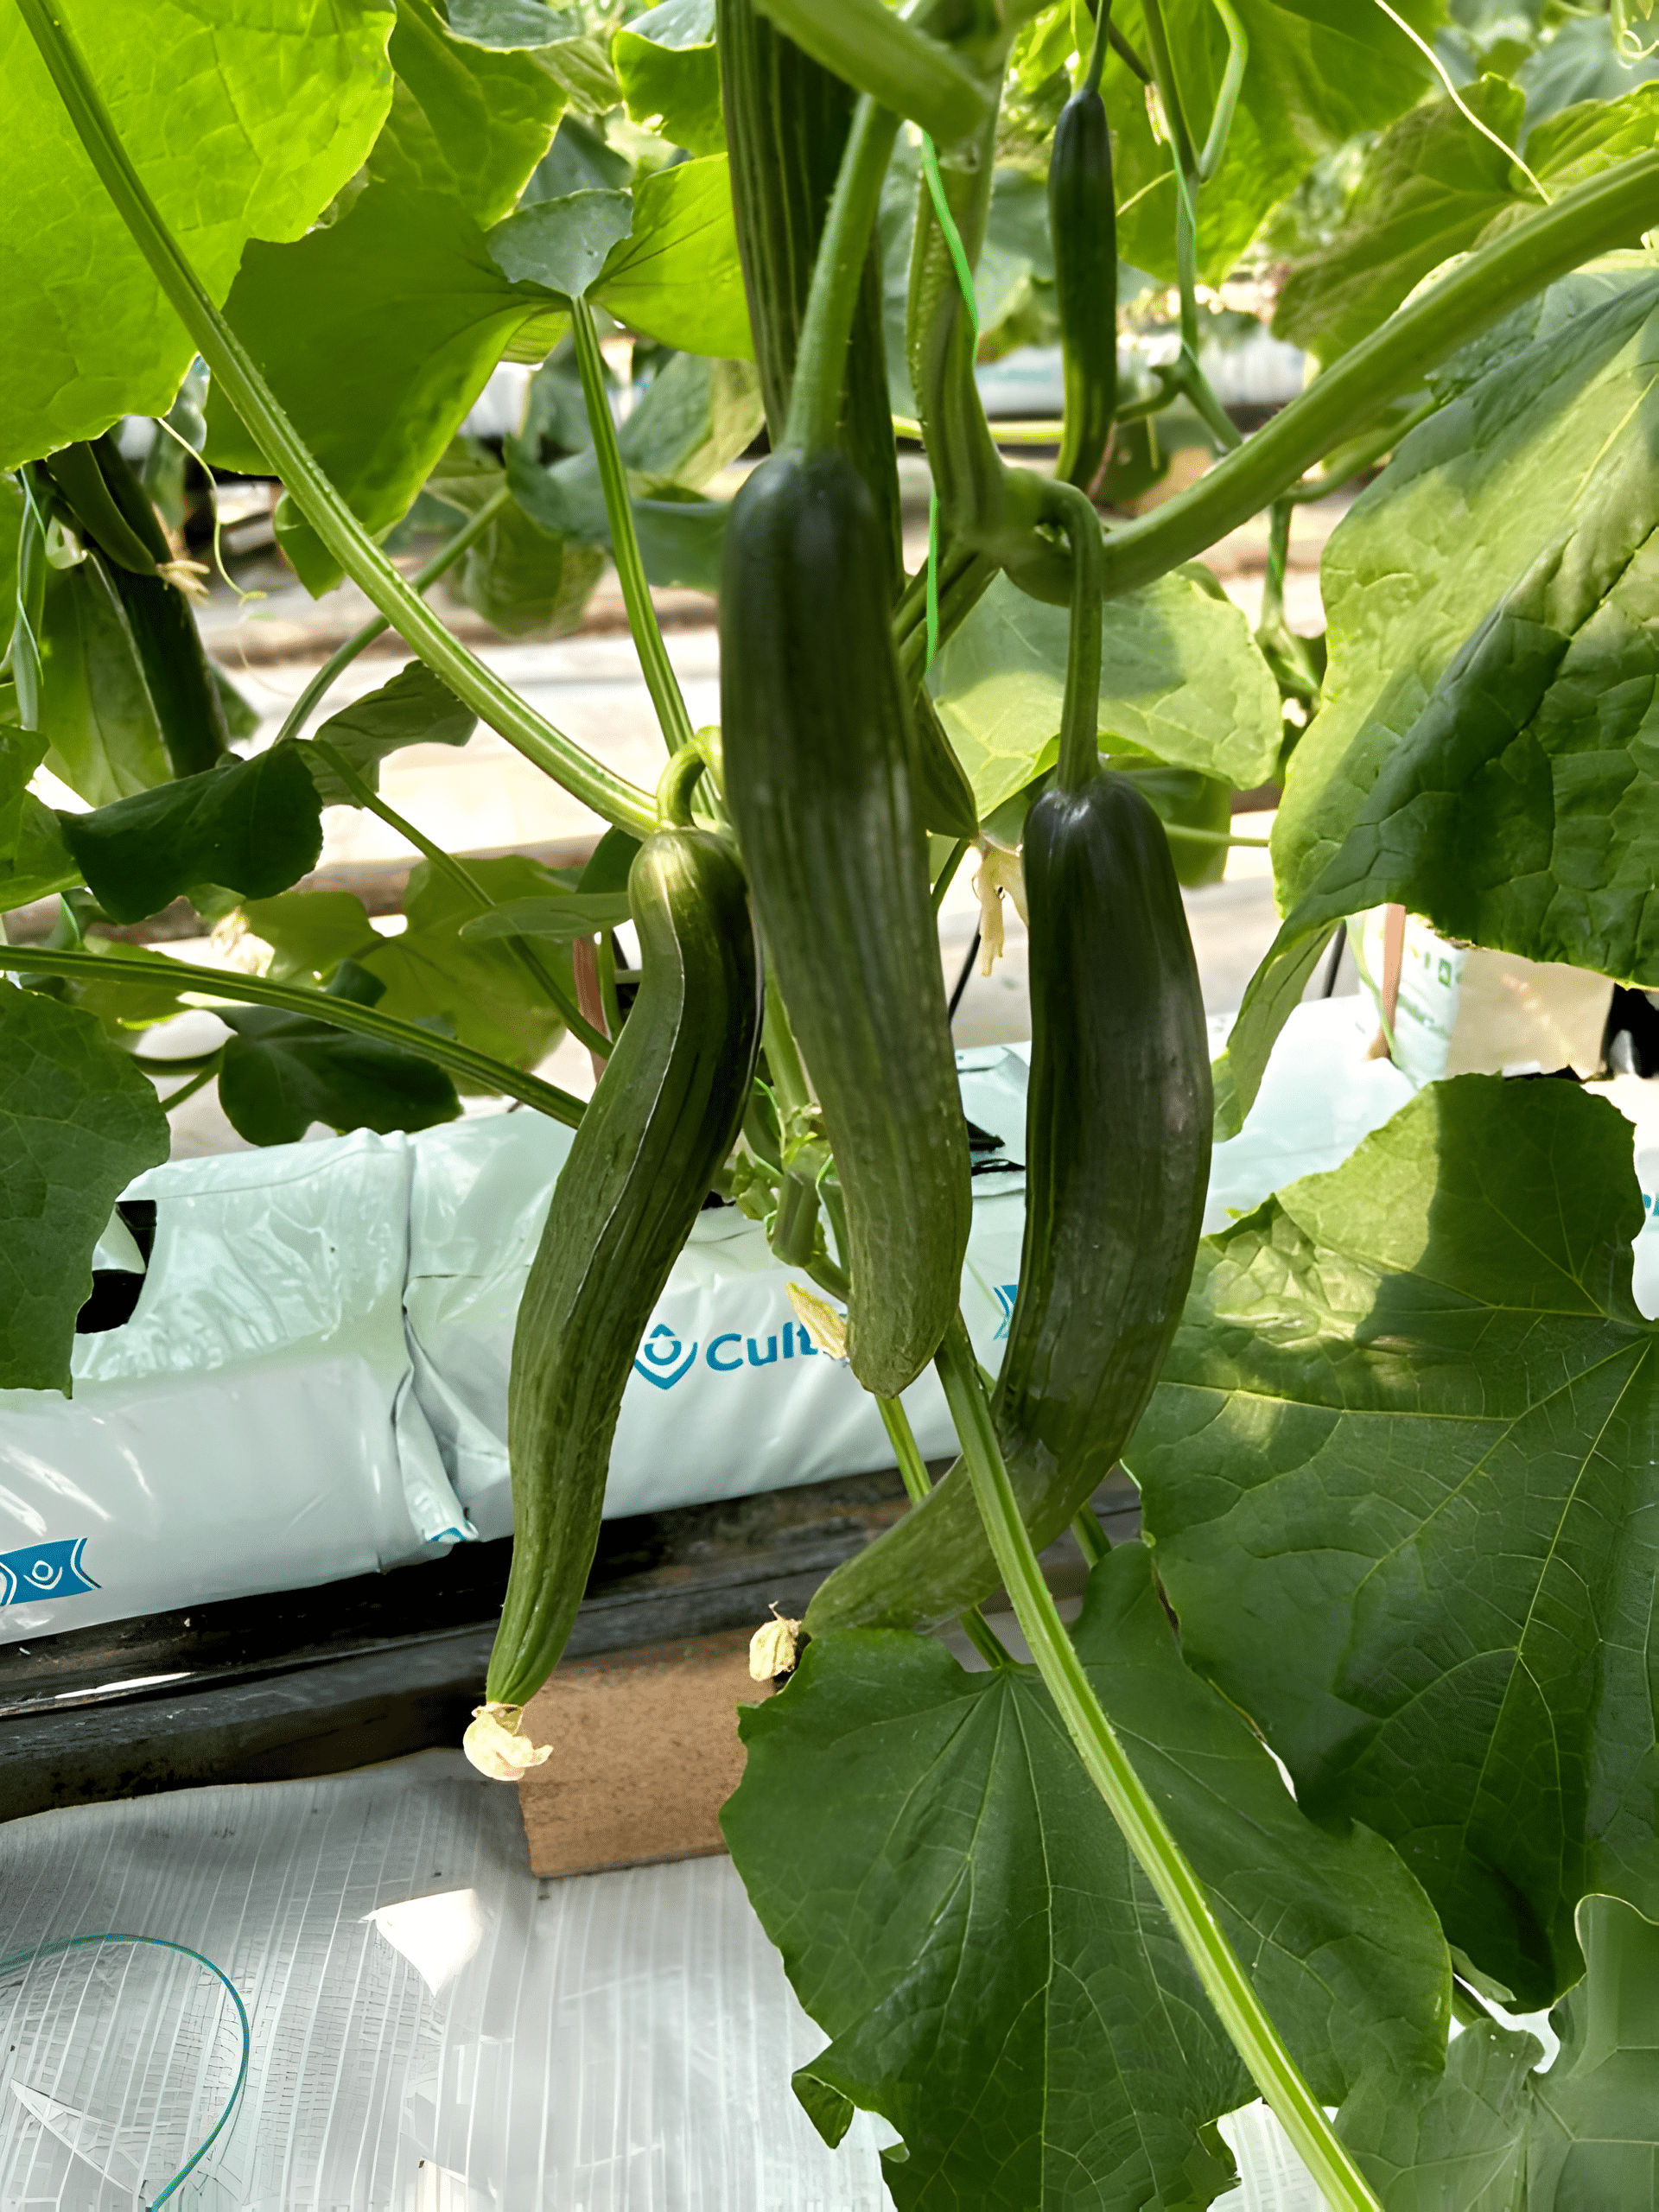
(1131, 1804)
(464, 882)
(200, 1081)
(340, 1014)
(953, 861)
(443, 560)
(657, 669)
(815, 398)
(913, 1472)
(235, 372)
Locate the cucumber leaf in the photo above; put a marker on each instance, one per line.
(1491, 2133)
(676, 277)
(310, 932)
(527, 581)
(1428, 188)
(465, 119)
(416, 708)
(1182, 680)
(1319, 70)
(483, 992)
(670, 74)
(1398, 1472)
(1485, 754)
(283, 1072)
(245, 117)
(377, 334)
(958, 1909)
(564, 243)
(78, 1122)
(250, 825)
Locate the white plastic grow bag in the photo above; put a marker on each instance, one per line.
(314, 1383)
(253, 1425)
(728, 1397)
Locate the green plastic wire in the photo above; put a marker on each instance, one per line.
(16, 1960)
(970, 300)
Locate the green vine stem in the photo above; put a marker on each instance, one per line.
(814, 422)
(912, 1472)
(441, 562)
(200, 1081)
(464, 882)
(1131, 1804)
(235, 372)
(660, 679)
(339, 1014)
(1339, 403)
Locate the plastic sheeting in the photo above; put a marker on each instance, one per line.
(432, 2029)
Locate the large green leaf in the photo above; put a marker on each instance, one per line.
(310, 932)
(1181, 679)
(414, 708)
(1398, 1472)
(377, 334)
(527, 582)
(33, 860)
(1318, 72)
(96, 711)
(1428, 189)
(78, 1122)
(244, 118)
(22, 752)
(250, 825)
(957, 1909)
(670, 73)
(561, 244)
(1489, 2134)
(483, 991)
(1431, 187)
(283, 1072)
(465, 119)
(677, 276)
(1485, 753)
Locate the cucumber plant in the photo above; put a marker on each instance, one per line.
(1394, 1429)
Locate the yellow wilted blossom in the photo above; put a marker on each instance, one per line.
(827, 1328)
(772, 1648)
(494, 1746)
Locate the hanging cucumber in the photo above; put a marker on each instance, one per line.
(110, 506)
(1117, 1153)
(1082, 224)
(817, 753)
(786, 123)
(661, 1122)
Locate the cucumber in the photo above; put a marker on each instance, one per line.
(658, 1128)
(817, 751)
(1117, 1162)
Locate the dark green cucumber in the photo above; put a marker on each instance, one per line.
(660, 1125)
(1117, 1160)
(817, 753)
(786, 122)
(112, 507)
(1082, 224)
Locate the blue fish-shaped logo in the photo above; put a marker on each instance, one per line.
(663, 1359)
(44, 1571)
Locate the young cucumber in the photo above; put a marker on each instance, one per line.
(1083, 222)
(663, 1120)
(1117, 1153)
(817, 752)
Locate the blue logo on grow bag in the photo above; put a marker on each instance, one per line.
(1006, 1294)
(44, 1571)
(663, 1359)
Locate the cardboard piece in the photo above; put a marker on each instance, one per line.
(646, 1752)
